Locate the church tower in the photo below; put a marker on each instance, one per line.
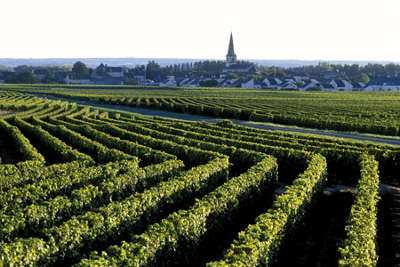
(230, 57)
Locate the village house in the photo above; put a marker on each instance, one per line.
(358, 85)
(104, 74)
(135, 75)
(271, 83)
(169, 82)
(288, 84)
(341, 85)
(2, 77)
(77, 79)
(104, 70)
(60, 76)
(193, 83)
(184, 81)
(327, 86)
(230, 83)
(251, 84)
(310, 84)
(383, 84)
(108, 80)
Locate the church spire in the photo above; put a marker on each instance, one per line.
(230, 57)
(231, 51)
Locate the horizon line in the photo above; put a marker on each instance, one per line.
(193, 58)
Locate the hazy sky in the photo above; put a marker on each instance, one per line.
(262, 29)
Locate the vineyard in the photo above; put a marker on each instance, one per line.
(365, 112)
(82, 186)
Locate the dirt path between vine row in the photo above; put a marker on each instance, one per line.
(4, 112)
(189, 117)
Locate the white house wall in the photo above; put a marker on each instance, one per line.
(116, 74)
(382, 88)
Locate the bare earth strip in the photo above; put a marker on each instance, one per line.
(3, 112)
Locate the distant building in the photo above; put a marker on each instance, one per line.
(231, 83)
(326, 86)
(383, 84)
(104, 70)
(169, 82)
(233, 66)
(2, 77)
(103, 74)
(231, 56)
(240, 68)
(60, 76)
(193, 83)
(288, 84)
(78, 79)
(358, 85)
(310, 84)
(271, 83)
(342, 85)
(140, 78)
(251, 84)
(108, 80)
(184, 82)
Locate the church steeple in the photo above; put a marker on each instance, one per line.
(230, 57)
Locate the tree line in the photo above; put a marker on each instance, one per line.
(212, 68)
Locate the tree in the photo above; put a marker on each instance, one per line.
(23, 77)
(317, 87)
(299, 84)
(49, 78)
(391, 70)
(152, 70)
(22, 68)
(323, 66)
(80, 68)
(133, 81)
(209, 83)
(364, 78)
(232, 75)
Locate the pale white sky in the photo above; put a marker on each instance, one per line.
(262, 29)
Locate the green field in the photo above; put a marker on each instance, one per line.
(86, 186)
(365, 112)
